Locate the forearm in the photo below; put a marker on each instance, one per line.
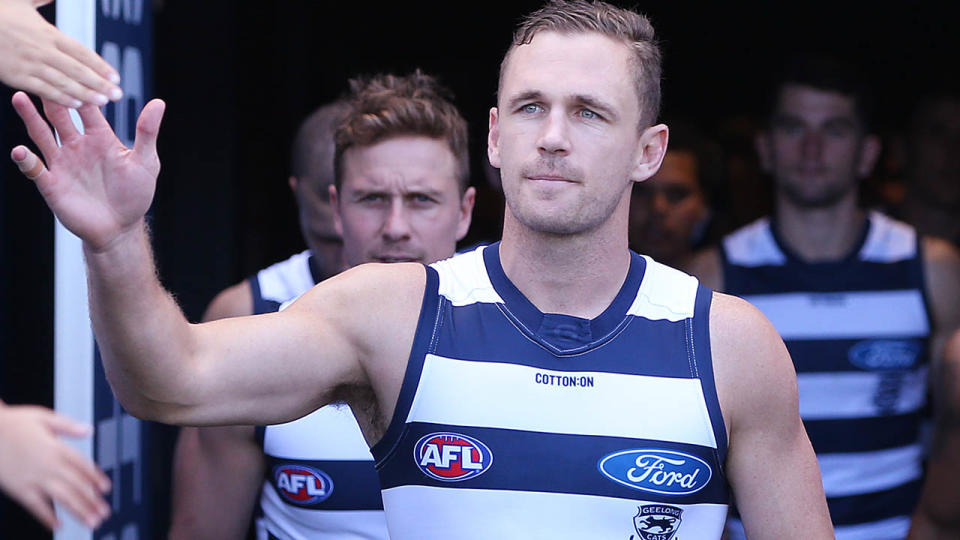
(146, 343)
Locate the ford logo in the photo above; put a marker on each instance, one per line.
(884, 355)
(657, 471)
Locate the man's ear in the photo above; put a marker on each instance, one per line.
(653, 146)
(493, 138)
(764, 148)
(334, 203)
(293, 182)
(466, 212)
(869, 154)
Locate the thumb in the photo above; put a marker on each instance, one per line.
(61, 425)
(148, 127)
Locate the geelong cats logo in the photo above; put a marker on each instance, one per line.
(656, 522)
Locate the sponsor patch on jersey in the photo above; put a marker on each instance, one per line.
(452, 457)
(657, 521)
(657, 471)
(884, 354)
(302, 485)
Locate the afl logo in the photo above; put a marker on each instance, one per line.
(451, 457)
(302, 485)
(657, 471)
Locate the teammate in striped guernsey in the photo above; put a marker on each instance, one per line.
(860, 299)
(317, 475)
(681, 394)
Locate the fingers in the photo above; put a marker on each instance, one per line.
(79, 498)
(90, 474)
(61, 425)
(41, 508)
(41, 87)
(28, 163)
(37, 127)
(87, 68)
(59, 116)
(148, 127)
(92, 118)
(59, 77)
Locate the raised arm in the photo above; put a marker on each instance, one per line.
(160, 366)
(770, 464)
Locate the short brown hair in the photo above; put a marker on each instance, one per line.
(385, 106)
(627, 26)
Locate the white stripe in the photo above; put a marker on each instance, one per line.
(464, 279)
(330, 432)
(866, 472)
(427, 513)
(483, 394)
(829, 396)
(665, 294)
(888, 529)
(845, 315)
(287, 279)
(888, 240)
(293, 523)
(753, 245)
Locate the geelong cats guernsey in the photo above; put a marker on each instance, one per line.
(320, 481)
(512, 423)
(857, 330)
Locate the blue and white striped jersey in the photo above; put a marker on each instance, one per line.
(857, 330)
(512, 423)
(320, 481)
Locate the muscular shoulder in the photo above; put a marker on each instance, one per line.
(234, 301)
(942, 275)
(756, 380)
(707, 266)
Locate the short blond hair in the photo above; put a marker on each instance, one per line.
(385, 106)
(624, 25)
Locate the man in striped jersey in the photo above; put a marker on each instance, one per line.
(862, 301)
(552, 385)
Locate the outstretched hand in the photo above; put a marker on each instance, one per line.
(97, 187)
(37, 57)
(37, 469)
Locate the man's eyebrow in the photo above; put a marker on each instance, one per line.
(523, 97)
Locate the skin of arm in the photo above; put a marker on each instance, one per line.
(37, 57)
(938, 511)
(38, 469)
(263, 369)
(770, 464)
(217, 471)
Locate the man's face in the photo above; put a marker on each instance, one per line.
(666, 209)
(565, 134)
(815, 147)
(400, 201)
(316, 223)
(934, 166)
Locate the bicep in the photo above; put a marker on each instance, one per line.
(770, 463)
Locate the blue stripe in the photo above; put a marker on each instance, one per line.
(819, 277)
(260, 304)
(863, 434)
(855, 355)
(547, 462)
(355, 484)
(492, 337)
(856, 509)
(422, 344)
(704, 359)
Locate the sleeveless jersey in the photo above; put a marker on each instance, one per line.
(857, 330)
(320, 481)
(512, 423)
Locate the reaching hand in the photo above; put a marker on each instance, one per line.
(97, 187)
(37, 469)
(37, 57)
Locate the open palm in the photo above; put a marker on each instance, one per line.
(97, 187)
